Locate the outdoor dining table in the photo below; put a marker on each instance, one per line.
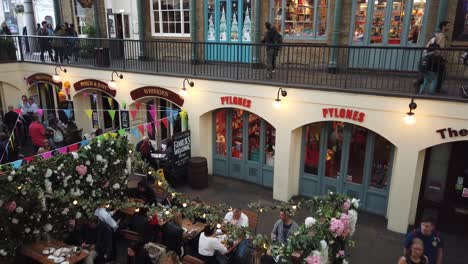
(34, 252)
(192, 230)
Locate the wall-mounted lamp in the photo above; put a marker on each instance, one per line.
(277, 102)
(56, 77)
(183, 92)
(112, 84)
(409, 117)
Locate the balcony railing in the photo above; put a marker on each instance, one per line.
(358, 69)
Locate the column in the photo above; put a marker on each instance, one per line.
(335, 37)
(29, 20)
(257, 28)
(286, 169)
(96, 18)
(141, 29)
(441, 13)
(193, 28)
(405, 183)
(57, 14)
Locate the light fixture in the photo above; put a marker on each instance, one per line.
(183, 92)
(409, 117)
(56, 77)
(184, 205)
(112, 84)
(277, 102)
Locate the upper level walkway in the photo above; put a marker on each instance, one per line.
(387, 71)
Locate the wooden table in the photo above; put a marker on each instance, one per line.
(234, 246)
(34, 251)
(198, 226)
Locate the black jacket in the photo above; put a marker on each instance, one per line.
(172, 235)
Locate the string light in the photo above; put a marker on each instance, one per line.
(261, 210)
(150, 172)
(159, 183)
(167, 212)
(230, 208)
(130, 151)
(184, 205)
(204, 215)
(137, 210)
(19, 187)
(218, 226)
(173, 194)
(294, 207)
(75, 202)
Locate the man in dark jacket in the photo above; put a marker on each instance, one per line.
(44, 43)
(10, 119)
(272, 39)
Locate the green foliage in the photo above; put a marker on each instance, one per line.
(90, 31)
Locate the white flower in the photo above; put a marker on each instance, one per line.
(77, 182)
(353, 217)
(19, 209)
(48, 227)
(27, 230)
(310, 221)
(355, 202)
(345, 261)
(48, 173)
(23, 192)
(75, 155)
(30, 169)
(93, 193)
(12, 172)
(78, 215)
(116, 186)
(15, 221)
(3, 253)
(9, 178)
(87, 163)
(98, 157)
(36, 231)
(48, 186)
(65, 211)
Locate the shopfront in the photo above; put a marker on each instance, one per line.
(444, 186)
(158, 109)
(346, 158)
(244, 146)
(388, 23)
(97, 100)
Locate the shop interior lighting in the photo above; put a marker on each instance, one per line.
(409, 117)
(277, 102)
(56, 77)
(183, 92)
(112, 84)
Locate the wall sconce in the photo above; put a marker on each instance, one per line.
(112, 84)
(277, 102)
(56, 77)
(183, 92)
(409, 117)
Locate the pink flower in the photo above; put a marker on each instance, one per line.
(106, 184)
(11, 207)
(346, 205)
(340, 254)
(313, 260)
(81, 169)
(340, 227)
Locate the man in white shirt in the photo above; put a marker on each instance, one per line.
(106, 217)
(208, 245)
(236, 217)
(32, 106)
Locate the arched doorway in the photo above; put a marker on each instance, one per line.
(48, 95)
(346, 158)
(444, 187)
(244, 146)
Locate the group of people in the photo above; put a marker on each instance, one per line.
(66, 46)
(18, 129)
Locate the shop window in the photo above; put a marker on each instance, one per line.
(237, 132)
(460, 29)
(270, 139)
(80, 14)
(301, 18)
(160, 133)
(416, 22)
(211, 21)
(357, 153)
(254, 137)
(221, 148)
(396, 21)
(360, 21)
(334, 149)
(381, 163)
(170, 18)
(378, 21)
(312, 148)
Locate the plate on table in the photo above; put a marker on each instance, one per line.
(65, 262)
(48, 250)
(59, 260)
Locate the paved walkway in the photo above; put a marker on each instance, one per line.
(374, 243)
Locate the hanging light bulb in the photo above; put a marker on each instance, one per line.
(277, 104)
(75, 202)
(183, 91)
(56, 76)
(184, 205)
(112, 84)
(277, 101)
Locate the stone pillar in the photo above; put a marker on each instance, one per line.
(57, 13)
(193, 28)
(335, 37)
(441, 13)
(141, 29)
(96, 18)
(257, 28)
(29, 20)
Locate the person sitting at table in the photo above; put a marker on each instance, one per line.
(284, 227)
(145, 193)
(84, 236)
(236, 217)
(106, 217)
(208, 245)
(173, 234)
(139, 222)
(145, 148)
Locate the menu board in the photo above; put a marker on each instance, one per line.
(124, 119)
(182, 147)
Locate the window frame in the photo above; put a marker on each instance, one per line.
(315, 21)
(181, 22)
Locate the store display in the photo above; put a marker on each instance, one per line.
(378, 22)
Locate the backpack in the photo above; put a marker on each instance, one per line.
(429, 62)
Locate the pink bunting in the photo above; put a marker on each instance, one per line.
(40, 111)
(133, 113)
(149, 127)
(153, 112)
(47, 155)
(63, 150)
(137, 105)
(156, 124)
(164, 121)
(142, 129)
(73, 147)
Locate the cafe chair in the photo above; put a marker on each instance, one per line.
(192, 260)
(253, 220)
(130, 235)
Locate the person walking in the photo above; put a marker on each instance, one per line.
(44, 42)
(415, 253)
(433, 244)
(271, 39)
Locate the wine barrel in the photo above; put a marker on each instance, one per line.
(198, 172)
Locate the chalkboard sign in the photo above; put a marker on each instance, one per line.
(182, 145)
(124, 119)
(95, 119)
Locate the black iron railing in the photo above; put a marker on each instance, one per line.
(374, 70)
